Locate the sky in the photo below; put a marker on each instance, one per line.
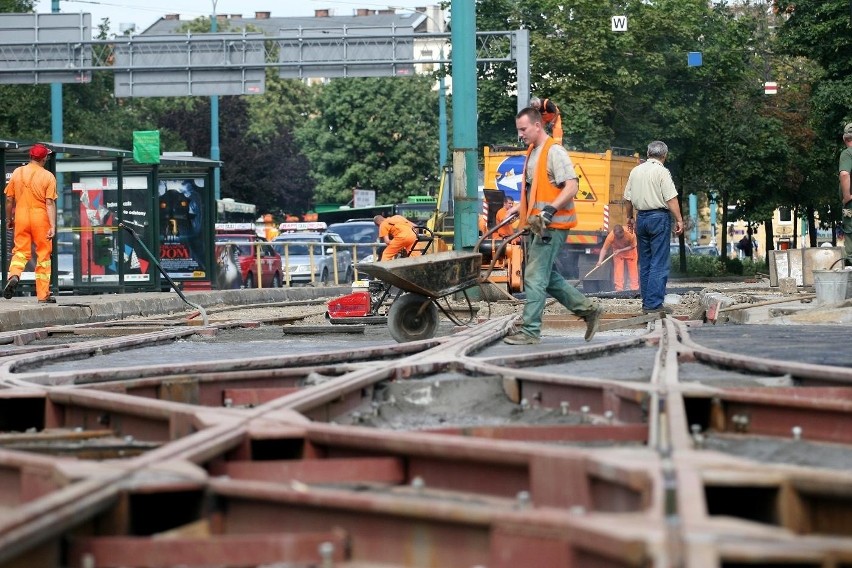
(145, 13)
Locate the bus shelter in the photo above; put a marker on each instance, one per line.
(169, 207)
(184, 225)
(102, 190)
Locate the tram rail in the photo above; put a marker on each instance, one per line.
(644, 450)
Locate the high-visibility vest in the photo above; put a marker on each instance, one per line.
(543, 193)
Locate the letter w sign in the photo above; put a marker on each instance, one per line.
(619, 23)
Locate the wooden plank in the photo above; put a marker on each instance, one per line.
(354, 470)
(628, 322)
(322, 329)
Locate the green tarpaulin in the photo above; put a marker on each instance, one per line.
(146, 146)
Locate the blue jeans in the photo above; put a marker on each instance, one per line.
(541, 279)
(653, 233)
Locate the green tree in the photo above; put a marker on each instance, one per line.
(820, 31)
(23, 114)
(373, 133)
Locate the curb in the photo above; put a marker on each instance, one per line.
(16, 315)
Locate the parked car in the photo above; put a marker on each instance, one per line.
(674, 248)
(309, 257)
(236, 260)
(65, 259)
(363, 232)
(705, 250)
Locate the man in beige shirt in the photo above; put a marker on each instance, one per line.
(651, 192)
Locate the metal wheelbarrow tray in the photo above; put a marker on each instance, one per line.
(424, 280)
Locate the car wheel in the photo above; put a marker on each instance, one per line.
(249, 280)
(276, 280)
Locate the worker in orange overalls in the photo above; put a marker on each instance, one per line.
(502, 213)
(623, 245)
(270, 231)
(551, 116)
(31, 211)
(397, 232)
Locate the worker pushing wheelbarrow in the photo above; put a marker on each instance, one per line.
(415, 287)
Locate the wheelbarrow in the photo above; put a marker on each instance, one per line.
(420, 282)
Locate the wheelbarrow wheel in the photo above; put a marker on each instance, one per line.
(406, 324)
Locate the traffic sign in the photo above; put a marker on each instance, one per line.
(619, 23)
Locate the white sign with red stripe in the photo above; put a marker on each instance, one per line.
(770, 88)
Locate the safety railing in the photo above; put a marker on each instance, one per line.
(324, 263)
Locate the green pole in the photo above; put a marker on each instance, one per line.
(465, 178)
(214, 123)
(56, 124)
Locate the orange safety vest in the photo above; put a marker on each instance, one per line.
(543, 193)
(552, 118)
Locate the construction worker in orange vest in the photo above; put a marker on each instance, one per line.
(547, 209)
(551, 116)
(31, 210)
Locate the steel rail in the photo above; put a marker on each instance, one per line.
(496, 497)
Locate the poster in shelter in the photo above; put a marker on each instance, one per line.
(98, 228)
(182, 246)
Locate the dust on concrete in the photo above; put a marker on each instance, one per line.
(763, 449)
(452, 401)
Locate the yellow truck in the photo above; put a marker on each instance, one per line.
(599, 202)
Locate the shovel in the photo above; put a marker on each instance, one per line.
(577, 281)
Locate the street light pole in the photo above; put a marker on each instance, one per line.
(214, 121)
(442, 114)
(56, 124)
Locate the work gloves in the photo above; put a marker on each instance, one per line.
(547, 214)
(537, 225)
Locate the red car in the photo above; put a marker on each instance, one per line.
(237, 262)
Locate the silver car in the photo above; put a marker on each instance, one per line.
(310, 257)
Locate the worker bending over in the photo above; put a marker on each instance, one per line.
(397, 232)
(623, 245)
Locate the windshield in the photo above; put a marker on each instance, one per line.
(294, 249)
(356, 232)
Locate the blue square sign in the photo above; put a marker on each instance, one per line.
(694, 59)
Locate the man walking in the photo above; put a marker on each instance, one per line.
(651, 192)
(547, 208)
(31, 211)
(846, 192)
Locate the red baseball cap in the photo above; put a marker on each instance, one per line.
(39, 152)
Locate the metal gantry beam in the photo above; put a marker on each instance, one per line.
(298, 53)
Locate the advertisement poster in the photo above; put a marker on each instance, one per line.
(182, 246)
(98, 230)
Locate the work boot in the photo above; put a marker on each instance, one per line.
(593, 320)
(51, 299)
(521, 338)
(11, 285)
